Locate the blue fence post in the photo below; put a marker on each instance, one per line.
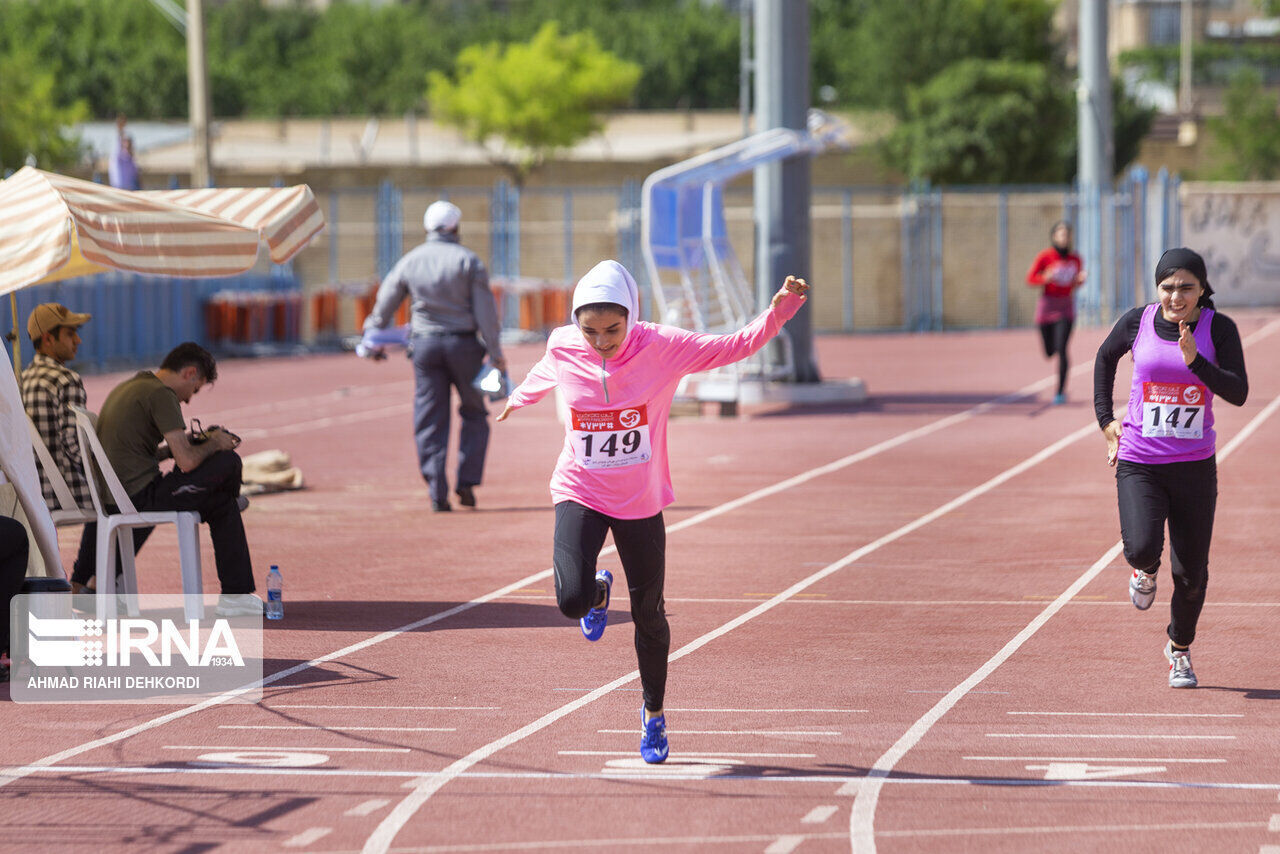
(1002, 240)
(1175, 202)
(568, 234)
(905, 229)
(332, 230)
(513, 230)
(846, 229)
(938, 303)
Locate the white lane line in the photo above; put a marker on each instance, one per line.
(306, 837)
(818, 815)
(700, 753)
(379, 842)
(367, 807)
(402, 708)
(1274, 824)
(327, 422)
(297, 747)
(1095, 828)
(1269, 849)
(862, 817)
(926, 603)
(825, 780)
(1139, 735)
(10, 774)
(774, 711)
(727, 732)
(785, 844)
(342, 728)
(1089, 759)
(1132, 714)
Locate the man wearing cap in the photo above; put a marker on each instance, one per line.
(50, 389)
(448, 286)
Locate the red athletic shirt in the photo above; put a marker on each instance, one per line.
(1055, 273)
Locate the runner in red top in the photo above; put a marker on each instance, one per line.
(1059, 271)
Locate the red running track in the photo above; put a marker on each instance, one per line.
(897, 627)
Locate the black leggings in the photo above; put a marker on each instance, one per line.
(1185, 494)
(1056, 335)
(642, 546)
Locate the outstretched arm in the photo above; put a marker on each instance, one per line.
(694, 351)
(540, 381)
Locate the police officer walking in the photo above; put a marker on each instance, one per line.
(451, 303)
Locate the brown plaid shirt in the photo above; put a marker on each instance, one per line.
(48, 391)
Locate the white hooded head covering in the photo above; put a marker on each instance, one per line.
(608, 282)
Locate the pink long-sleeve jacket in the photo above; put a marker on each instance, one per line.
(614, 458)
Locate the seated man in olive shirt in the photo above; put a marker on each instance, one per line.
(145, 410)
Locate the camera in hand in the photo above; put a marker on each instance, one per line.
(199, 434)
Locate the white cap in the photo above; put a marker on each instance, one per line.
(441, 216)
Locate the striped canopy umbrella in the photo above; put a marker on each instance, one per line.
(54, 227)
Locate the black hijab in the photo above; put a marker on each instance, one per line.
(1189, 260)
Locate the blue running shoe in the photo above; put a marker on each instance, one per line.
(1059, 399)
(653, 738)
(597, 618)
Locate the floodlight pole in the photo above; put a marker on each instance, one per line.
(198, 96)
(782, 190)
(1096, 151)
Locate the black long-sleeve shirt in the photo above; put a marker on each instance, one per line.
(1226, 379)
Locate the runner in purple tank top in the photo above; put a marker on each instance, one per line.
(1184, 354)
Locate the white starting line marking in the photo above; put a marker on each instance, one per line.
(336, 728)
(850, 787)
(684, 767)
(368, 807)
(1089, 759)
(775, 711)
(289, 747)
(1085, 771)
(700, 753)
(306, 837)
(1274, 824)
(818, 815)
(1136, 735)
(1133, 714)
(725, 732)
(402, 708)
(264, 758)
(862, 837)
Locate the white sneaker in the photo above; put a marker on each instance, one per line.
(1142, 589)
(239, 605)
(1180, 673)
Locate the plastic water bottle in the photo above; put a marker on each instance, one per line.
(275, 594)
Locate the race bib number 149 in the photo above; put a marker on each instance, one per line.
(1173, 410)
(610, 439)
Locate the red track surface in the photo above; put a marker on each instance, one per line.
(859, 617)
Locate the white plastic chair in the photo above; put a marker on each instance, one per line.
(68, 512)
(117, 528)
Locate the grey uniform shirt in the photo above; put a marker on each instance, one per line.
(448, 287)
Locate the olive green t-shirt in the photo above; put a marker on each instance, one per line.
(132, 423)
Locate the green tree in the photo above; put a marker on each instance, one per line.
(523, 102)
(895, 46)
(31, 122)
(1248, 133)
(983, 121)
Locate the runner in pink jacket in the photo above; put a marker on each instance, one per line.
(619, 375)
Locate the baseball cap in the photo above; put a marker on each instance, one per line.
(441, 216)
(49, 315)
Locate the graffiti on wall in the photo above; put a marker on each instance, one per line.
(1236, 232)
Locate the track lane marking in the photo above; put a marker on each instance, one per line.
(12, 773)
(867, 793)
(379, 842)
(1133, 714)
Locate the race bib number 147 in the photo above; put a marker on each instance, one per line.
(610, 439)
(1173, 410)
